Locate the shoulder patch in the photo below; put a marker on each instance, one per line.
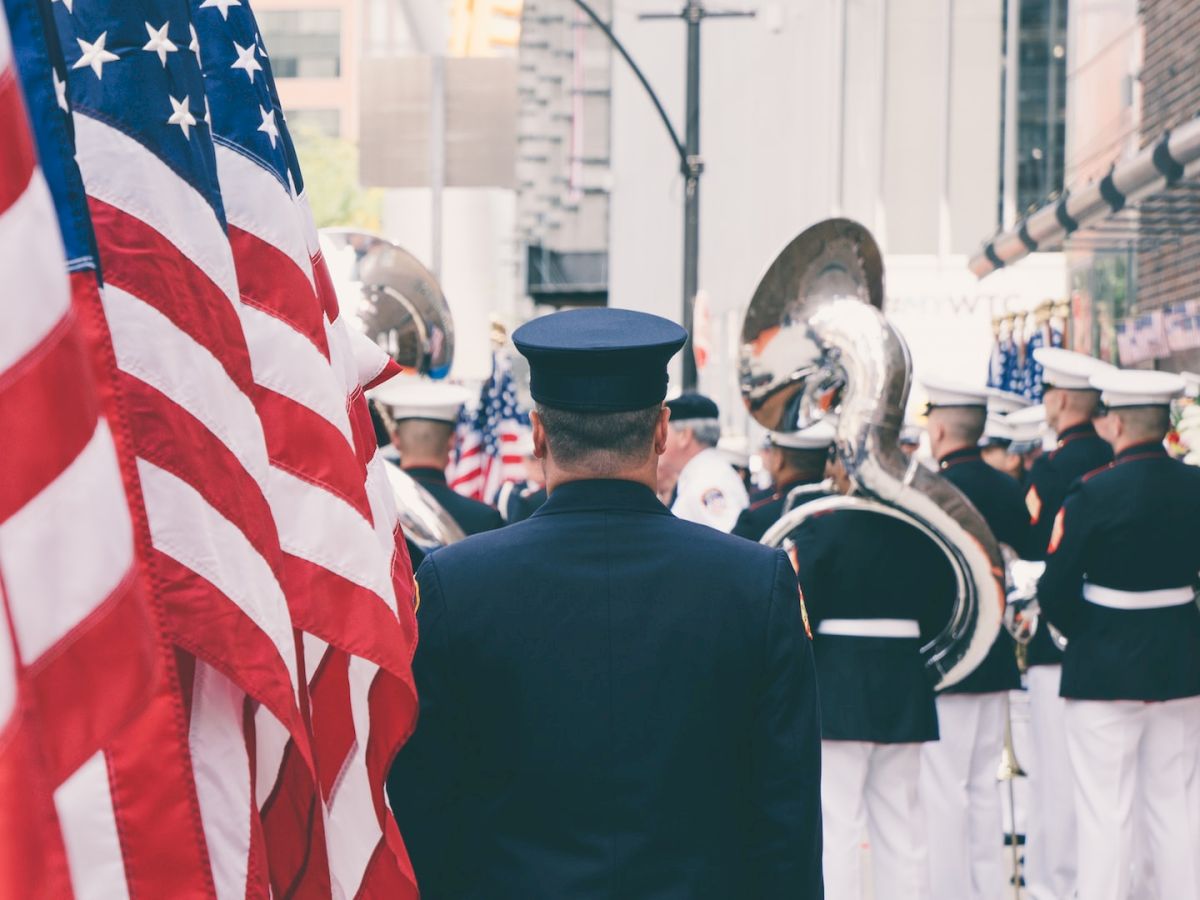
(1033, 503)
(713, 500)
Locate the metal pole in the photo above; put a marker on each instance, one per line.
(693, 13)
(1051, 101)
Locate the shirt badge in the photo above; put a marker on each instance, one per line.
(1033, 503)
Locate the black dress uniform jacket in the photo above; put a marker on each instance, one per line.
(764, 511)
(1131, 527)
(999, 500)
(615, 704)
(517, 501)
(472, 516)
(1080, 450)
(862, 565)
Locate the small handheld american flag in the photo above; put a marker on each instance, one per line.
(485, 456)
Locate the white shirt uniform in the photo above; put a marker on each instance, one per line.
(710, 492)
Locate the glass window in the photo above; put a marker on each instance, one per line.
(303, 43)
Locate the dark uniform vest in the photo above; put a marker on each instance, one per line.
(999, 500)
(764, 511)
(472, 516)
(856, 565)
(615, 704)
(1126, 530)
(1080, 450)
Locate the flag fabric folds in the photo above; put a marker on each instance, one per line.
(279, 587)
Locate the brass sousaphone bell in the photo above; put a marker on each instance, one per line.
(385, 293)
(815, 344)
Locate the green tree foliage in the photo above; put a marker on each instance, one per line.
(330, 167)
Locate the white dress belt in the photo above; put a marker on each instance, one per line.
(886, 628)
(1114, 599)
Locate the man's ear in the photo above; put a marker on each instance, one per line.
(539, 435)
(660, 431)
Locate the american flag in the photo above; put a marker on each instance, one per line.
(485, 453)
(280, 586)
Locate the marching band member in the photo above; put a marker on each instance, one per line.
(707, 489)
(876, 589)
(1120, 584)
(796, 458)
(1069, 402)
(958, 772)
(424, 414)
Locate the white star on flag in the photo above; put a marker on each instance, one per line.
(181, 116)
(268, 126)
(60, 90)
(194, 46)
(222, 5)
(94, 55)
(159, 42)
(246, 60)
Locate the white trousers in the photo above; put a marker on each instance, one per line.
(961, 798)
(1137, 766)
(872, 788)
(1050, 848)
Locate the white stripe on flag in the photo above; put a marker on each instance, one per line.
(151, 347)
(121, 172)
(270, 741)
(221, 767)
(353, 829)
(34, 279)
(8, 674)
(72, 543)
(89, 830)
(256, 202)
(287, 362)
(186, 528)
(322, 528)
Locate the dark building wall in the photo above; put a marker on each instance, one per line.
(1171, 96)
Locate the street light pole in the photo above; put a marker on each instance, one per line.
(690, 163)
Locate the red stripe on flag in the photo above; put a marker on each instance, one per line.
(333, 721)
(269, 280)
(98, 645)
(355, 622)
(325, 290)
(388, 876)
(307, 445)
(139, 260)
(50, 414)
(294, 831)
(17, 156)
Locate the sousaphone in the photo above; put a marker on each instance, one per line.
(385, 292)
(815, 344)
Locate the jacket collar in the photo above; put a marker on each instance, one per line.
(957, 457)
(427, 474)
(601, 493)
(1147, 450)
(1075, 432)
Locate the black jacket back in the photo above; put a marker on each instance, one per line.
(614, 704)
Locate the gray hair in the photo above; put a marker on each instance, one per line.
(601, 443)
(706, 431)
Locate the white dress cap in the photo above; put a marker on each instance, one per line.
(814, 437)
(1068, 370)
(1137, 387)
(996, 428)
(1026, 425)
(1004, 402)
(951, 393)
(413, 397)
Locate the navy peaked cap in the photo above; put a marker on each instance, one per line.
(599, 360)
(692, 406)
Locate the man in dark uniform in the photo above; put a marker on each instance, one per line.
(615, 703)
(1120, 583)
(1070, 403)
(958, 773)
(795, 459)
(876, 590)
(518, 500)
(424, 414)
